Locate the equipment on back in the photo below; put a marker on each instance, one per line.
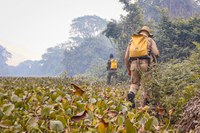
(113, 64)
(139, 47)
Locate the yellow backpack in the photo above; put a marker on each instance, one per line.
(113, 64)
(139, 46)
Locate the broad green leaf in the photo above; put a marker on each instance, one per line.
(19, 92)
(53, 96)
(15, 98)
(129, 126)
(68, 97)
(7, 122)
(120, 120)
(148, 124)
(167, 123)
(8, 108)
(87, 122)
(1, 114)
(46, 110)
(155, 121)
(110, 103)
(33, 122)
(196, 44)
(124, 109)
(1, 95)
(56, 125)
(53, 115)
(45, 98)
(69, 111)
(19, 105)
(110, 127)
(62, 119)
(132, 115)
(92, 100)
(143, 120)
(58, 99)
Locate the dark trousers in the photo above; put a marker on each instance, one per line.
(111, 74)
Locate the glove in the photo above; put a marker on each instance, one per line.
(129, 72)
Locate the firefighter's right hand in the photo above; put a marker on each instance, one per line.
(129, 72)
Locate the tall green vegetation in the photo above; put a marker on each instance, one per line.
(173, 83)
(175, 38)
(120, 32)
(176, 29)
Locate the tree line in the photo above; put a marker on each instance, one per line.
(174, 23)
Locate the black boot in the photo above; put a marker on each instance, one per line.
(131, 98)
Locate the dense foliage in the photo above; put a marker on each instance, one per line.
(87, 27)
(171, 34)
(81, 104)
(85, 48)
(120, 32)
(173, 83)
(174, 38)
(58, 105)
(92, 53)
(49, 65)
(85, 105)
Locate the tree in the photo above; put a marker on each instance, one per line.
(52, 60)
(120, 33)
(90, 52)
(150, 10)
(86, 27)
(49, 65)
(91, 46)
(175, 38)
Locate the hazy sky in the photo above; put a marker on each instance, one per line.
(29, 27)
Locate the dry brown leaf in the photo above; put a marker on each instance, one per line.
(171, 111)
(160, 110)
(89, 107)
(112, 113)
(78, 90)
(102, 126)
(146, 108)
(78, 117)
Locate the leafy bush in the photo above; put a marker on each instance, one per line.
(82, 104)
(173, 83)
